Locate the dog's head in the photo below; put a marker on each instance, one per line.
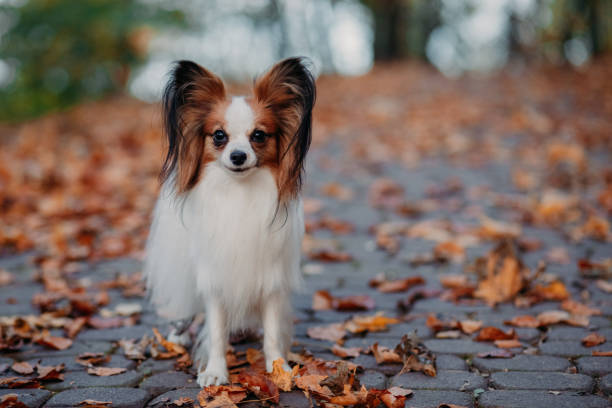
(269, 129)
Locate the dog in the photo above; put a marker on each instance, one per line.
(228, 224)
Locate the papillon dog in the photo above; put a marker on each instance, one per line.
(228, 224)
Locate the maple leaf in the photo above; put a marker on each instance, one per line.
(282, 378)
(221, 395)
(332, 332)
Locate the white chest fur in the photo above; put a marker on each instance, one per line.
(227, 239)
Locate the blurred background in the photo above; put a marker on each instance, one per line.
(56, 53)
(521, 83)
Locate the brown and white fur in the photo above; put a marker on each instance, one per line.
(228, 224)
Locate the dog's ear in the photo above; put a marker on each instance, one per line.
(189, 97)
(287, 92)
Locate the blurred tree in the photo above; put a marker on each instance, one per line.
(64, 51)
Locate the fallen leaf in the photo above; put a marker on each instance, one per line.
(523, 321)
(11, 401)
(283, 379)
(552, 317)
(332, 332)
(6, 278)
(91, 359)
(258, 384)
(397, 285)
(598, 353)
(50, 373)
(577, 308)
(344, 352)
(593, 339)
(57, 343)
(470, 326)
(395, 397)
(311, 383)
(385, 355)
(493, 333)
(553, 291)
(375, 323)
(221, 395)
(105, 371)
(505, 275)
(605, 286)
(505, 344)
(183, 401)
(448, 334)
(337, 191)
(23, 368)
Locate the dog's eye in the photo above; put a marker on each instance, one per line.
(219, 137)
(258, 136)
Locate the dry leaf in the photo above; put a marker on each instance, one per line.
(593, 339)
(470, 326)
(577, 308)
(597, 353)
(397, 285)
(493, 333)
(344, 352)
(57, 343)
(283, 379)
(11, 401)
(523, 321)
(332, 332)
(377, 322)
(23, 368)
(105, 371)
(385, 355)
(221, 395)
(505, 344)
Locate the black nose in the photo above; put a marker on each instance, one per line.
(238, 157)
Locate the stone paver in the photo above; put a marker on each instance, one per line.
(166, 398)
(162, 382)
(119, 397)
(444, 380)
(32, 398)
(461, 347)
(373, 379)
(594, 365)
(539, 399)
(433, 399)
(522, 362)
(518, 380)
(565, 348)
(80, 379)
(606, 384)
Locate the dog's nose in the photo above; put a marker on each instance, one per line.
(238, 157)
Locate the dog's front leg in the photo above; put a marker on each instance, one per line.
(216, 337)
(278, 328)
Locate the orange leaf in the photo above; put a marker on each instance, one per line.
(493, 333)
(593, 339)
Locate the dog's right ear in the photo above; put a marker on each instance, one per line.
(189, 97)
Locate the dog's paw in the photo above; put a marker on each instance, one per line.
(211, 376)
(270, 365)
(183, 339)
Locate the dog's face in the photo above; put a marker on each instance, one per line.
(270, 129)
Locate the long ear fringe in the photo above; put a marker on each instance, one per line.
(289, 87)
(187, 81)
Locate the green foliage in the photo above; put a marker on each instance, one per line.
(64, 51)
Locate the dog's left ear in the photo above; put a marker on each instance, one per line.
(287, 92)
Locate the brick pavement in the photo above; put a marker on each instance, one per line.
(558, 370)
